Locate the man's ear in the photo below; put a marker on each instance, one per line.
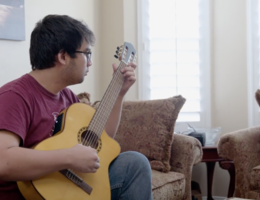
(62, 57)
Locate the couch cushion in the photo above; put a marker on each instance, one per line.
(168, 186)
(147, 127)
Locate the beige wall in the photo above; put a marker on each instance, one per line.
(229, 65)
(104, 17)
(229, 74)
(228, 80)
(14, 54)
(118, 24)
(114, 21)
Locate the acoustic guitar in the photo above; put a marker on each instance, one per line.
(80, 123)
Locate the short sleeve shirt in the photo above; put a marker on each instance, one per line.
(28, 110)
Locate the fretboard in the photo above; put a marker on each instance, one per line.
(99, 120)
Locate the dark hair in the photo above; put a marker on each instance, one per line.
(55, 33)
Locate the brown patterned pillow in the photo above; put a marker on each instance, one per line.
(84, 97)
(147, 127)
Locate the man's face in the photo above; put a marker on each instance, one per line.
(79, 66)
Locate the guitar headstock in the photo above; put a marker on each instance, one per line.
(126, 53)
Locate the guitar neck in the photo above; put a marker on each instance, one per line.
(106, 105)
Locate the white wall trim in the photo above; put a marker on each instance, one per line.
(252, 62)
(142, 47)
(206, 99)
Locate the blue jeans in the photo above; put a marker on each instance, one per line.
(130, 177)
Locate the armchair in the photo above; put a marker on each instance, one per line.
(147, 127)
(243, 148)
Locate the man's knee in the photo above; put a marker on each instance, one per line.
(137, 160)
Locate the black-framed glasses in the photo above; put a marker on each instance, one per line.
(86, 53)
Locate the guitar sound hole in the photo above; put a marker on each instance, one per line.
(89, 138)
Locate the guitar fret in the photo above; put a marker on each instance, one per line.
(100, 118)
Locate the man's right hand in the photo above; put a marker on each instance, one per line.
(84, 159)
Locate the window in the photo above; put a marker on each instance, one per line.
(253, 30)
(174, 55)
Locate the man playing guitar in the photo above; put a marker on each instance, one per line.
(60, 55)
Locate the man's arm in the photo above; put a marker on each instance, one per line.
(20, 164)
(114, 118)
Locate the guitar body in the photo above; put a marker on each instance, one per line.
(56, 186)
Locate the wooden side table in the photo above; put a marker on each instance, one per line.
(210, 157)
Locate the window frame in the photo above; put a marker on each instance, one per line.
(205, 57)
(253, 61)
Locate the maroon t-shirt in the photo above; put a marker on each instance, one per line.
(29, 110)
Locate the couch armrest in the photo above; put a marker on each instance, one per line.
(243, 147)
(186, 151)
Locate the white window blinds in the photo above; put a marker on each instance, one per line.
(174, 48)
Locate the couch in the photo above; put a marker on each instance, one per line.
(148, 127)
(243, 148)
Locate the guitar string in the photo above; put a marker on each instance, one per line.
(114, 91)
(90, 129)
(70, 175)
(111, 100)
(95, 122)
(101, 117)
(118, 82)
(106, 97)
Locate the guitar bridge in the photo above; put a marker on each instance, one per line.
(76, 180)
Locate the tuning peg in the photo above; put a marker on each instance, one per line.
(117, 52)
(120, 47)
(116, 56)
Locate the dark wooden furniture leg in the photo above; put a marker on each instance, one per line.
(210, 157)
(229, 165)
(210, 172)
